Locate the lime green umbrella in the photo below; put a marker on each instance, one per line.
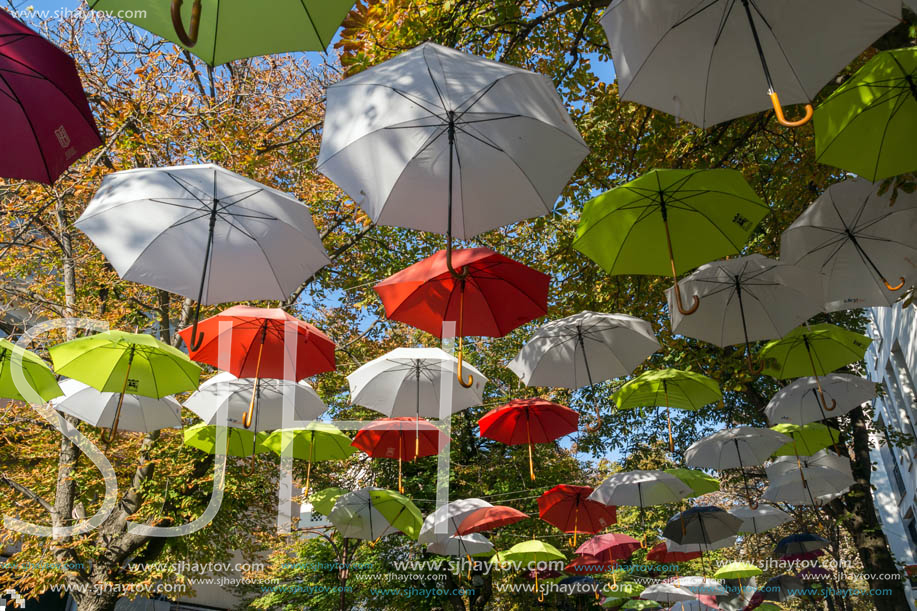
(867, 125)
(220, 31)
(37, 373)
(323, 501)
(701, 214)
(700, 482)
(316, 441)
(611, 602)
(669, 388)
(530, 552)
(641, 604)
(239, 442)
(815, 351)
(737, 570)
(370, 513)
(134, 363)
(807, 439)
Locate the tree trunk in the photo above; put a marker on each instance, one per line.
(90, 601)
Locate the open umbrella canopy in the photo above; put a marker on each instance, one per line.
(807, 439)
(700, 482)
(666, 593)
(584, 349)
(371, 513)
(531, 552)
(800, 543)
(395, 438)
(610, 547)
(239, 442)
(661, 553)
(735, 448)
(783, 587)
(691, 548)
(315, 441)
(701, 525)
(219, 31)
(640, 604)
(761, 519)
(864, 127)
(799, 403)
(323, 501)
(37, 373)
(813, 350)
(138, 413)
(737, 570)
(568, 508)
(702, 586)
(467, 545)
(641, 489)
(47, 123)
(489, 518)
(445, 521)
(807, 486)
(822, 458)
(587, 564)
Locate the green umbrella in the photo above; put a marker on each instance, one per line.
(356, 514)
(701, 214)
(220, 31)
(700, 482)
(867, 125)
(807, 439)
(668, 388)
(641, 604)
(323, 501)
(623, 590)
(611, 602)
(316, 441)
(529, 552)
(37, 373)
(737, 570)
(815, 351)
(239, 442)
(121, 362)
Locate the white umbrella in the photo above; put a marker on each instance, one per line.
(808, 486)
(466, 545)
(443, 522)
(761, 519)
(823, 458)
(442, 141)
(709, 62)
(355, 516)
(203, 232)
(746, 299)
(701, 585)
(798, 403)
(690, 605)
(865, 247)
(225, 389)
(584, 349)
(666, 593)
(138, 413)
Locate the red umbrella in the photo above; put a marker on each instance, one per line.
(489, 518)
(489, 295)
(587, 564)
(47, 124)
(389, 438)
(528, 421)
(569, 509)
(257, 346)
(610, 547)
(660, 553)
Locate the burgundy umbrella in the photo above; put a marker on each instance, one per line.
(47, 124)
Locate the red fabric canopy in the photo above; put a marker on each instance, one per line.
(397, 438)
(610, 547)
(489, 518)
(528, 421)
(661, 553)
(587, 564)
(568, 508)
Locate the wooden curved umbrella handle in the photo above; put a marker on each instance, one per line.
(778, 110)
(754, 366)
(694, 305)
(897, 287)
(460, 375)
(752, 504)
(187, 38)
(833, 406)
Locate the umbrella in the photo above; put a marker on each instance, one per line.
(126, 363)
(445, 521)
(138, 413)
(371, 513)
(746, 299)
(623, 589)
(863, 126)
(641, 489)
(671, 388)
(760, 519)
(155, 224)
(220, 31)
(701, 585)
(584, 349)
(701, 214)
(568, 508)
(690, 548)
(501, 294)
(814, 350)
(468, 545)
(701, 525)
(37, 373)
(610, 548)
(323, 501)
(226, 391)
(239, 442)
(489, 518)
(587, 564)
(690, 605)
(388, 438)
(737, 570)
(531, 553)
(709, 62)
(528, 421)
(661, 553)
(666, 593)
(47, 123)
(316, 441)
(641, 604)
(807, 439)
(798, 403)
(864, 245)
(442, 141)
(700, 482)
(783, 587)
(800, 543)
(735, 448)
(822, 458)
(808, 486)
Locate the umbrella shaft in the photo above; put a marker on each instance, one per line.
(114, 426)
(754, 33)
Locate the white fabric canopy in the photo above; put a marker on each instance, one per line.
(139, 414)
(641, 489)
(448, 518)
(762, 519)
(798, 402)
(735, 448)
(466, 545)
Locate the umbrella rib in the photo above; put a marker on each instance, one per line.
(41, 152)
(900, 104)
(439, 93)
(723, 20)
(318, 35)
(782, 50)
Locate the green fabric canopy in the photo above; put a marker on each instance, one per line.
(37, 373)
(737, 570)
(531, 551)
(668, 388)
(323, 501)
(697, 480)
(399, 510)
(315, 441)
(239, 442)
(807, 439)
(826, 346)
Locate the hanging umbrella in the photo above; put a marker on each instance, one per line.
(323, 501)
(226, 391)
(798, 403)
(623, 590)
(239, 442)
(37, 373)
(220, 31)
(690, 548)
(814, 350)
(690, 605)
(806, 439)
(666, 593)
(783, 587)
(568, 508)
(735, 448)
(863, 245)
(702, 586)
(316, 441)
(531, 553)
(700, 482)
(47, 123)
(501, 294)
(670, 388)
(126, 363)
(761, 519)
(800, 543)
(372, 513)
(701, 525)
(489, 518)
(701, 214)
(442, 141)
(660, 553)
(714, 61)
(587, 564)
(468, 545)
(864, 127)
(155, 224)
(389, 438)
(138, 413)
(528, 421)
(807, 486)
(640, 604)
(746, 299)
(737, 570)
(610, 548)
(445, 521)
(822, 458)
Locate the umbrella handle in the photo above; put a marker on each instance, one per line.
(681, 308)
(196, 338)
(896, 287)
(752, 504)
(187, 38)
(778, 110)
(459, 374)
(754, 366)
